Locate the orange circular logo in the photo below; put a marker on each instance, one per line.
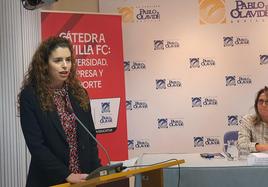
(127, 14)
(212, 11)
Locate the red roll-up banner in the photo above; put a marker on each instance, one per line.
(97, 43)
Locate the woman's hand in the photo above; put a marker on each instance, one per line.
(76, 178)
(261, 147)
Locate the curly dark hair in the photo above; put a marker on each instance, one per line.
(261, 91)
(37, 74)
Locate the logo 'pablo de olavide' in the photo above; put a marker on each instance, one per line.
(232, 80)
(136, 104)
(166, 44)
(230, 41)
(248, 10)
(167, 83)
(145, 13)
(204, 101)
(169, 123)
(134, 65)
(138, 144)
(197, 62)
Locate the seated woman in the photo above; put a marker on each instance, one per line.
(253, 132)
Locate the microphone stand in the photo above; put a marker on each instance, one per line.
(97, 141)
(103, 170)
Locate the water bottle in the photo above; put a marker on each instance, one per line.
(232, 149)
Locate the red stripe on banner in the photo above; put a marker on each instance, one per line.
(60, 23)
(44, 15)
(70, 23)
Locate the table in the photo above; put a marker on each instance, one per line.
(200, 172)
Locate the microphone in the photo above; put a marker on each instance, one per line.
(103, 170)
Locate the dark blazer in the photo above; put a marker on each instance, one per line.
(46, 141)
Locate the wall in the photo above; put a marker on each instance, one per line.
(192, 69)
(77, 5)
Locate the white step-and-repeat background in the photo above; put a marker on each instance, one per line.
(192, 69)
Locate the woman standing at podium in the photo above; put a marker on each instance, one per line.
(253, 132)
(50, 97)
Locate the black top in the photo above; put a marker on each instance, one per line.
(46, 141)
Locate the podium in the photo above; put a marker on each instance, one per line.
(152, 176)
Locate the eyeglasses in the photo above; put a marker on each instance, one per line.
(261, 102)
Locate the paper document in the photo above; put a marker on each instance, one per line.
(257, 159)
(128, 163)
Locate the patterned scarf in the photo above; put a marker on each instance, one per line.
(62, 102)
